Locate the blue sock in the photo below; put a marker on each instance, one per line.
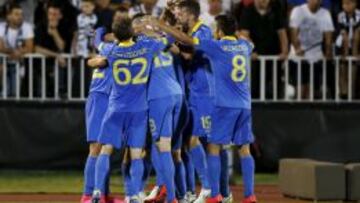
(101, 172)
(180, 179)
(155, 159)
(199, 160)
(214, 170)
(89, 175)
(248, 171)
(224, 175)
(190, 172)
(136, 173)
(147, 171)
(168, 174)
(125, 170)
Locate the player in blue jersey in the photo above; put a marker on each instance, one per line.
(200, 101)
(125, 121)
(96, 106)
(230, 61)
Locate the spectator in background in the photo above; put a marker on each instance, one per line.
(148, 7)
(51, 39)
(215, 9)
(86, 22)
(347, 42)
(324, 3)
(311, 26)
(16, 40)
(264, 24)
(104, 13)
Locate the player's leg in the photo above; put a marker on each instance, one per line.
(136, 131)
(187, 159)
(111, 137)
(223, 125)
(200, 110)
(225, 175)
(243, 137)
(89, 171)
(180, 175)
(190, 175)
(248, 172)
(214, 169)
(102, 170)
(125, 171)
(167, 166)
(96, 106)
(179, 123)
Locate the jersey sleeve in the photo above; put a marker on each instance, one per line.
(158, 45)
(98, 39)
(106, 48)
(209, 47)
(203, 34)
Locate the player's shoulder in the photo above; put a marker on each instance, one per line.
(201, 29)
(246, 44)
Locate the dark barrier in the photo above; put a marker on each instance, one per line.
(52, 135)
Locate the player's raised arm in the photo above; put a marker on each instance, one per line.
(177, 34)
(97, 61)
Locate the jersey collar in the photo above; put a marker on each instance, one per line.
(127, 43)
(230, 38)
(196, 26)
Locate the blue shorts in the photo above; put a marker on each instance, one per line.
(124, 129)
(200, 109)
(231, 126)
(96, 106)
(164, 115)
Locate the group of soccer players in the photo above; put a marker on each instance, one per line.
(173, 81)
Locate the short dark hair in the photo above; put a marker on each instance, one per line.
(226, 23)
(89, 1)
(122, 9)
(123, 30)
(191, 6)
(12, 6)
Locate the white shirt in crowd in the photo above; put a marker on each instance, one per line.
(12, 37)
(209, 20)
(156, 12)
(86, 25)
(312, 27)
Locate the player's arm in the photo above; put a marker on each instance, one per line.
(177, 34)
(97, 61)
(98, 39)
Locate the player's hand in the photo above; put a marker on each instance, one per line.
(109, 37)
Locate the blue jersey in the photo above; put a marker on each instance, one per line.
(101, 78)
(130, 62)
(163, 81)
(230, 61)
(200, 76)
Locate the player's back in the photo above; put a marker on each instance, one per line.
(230, 61)
(131, 62)
(163, 81)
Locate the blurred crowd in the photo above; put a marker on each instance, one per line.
(313, 29)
